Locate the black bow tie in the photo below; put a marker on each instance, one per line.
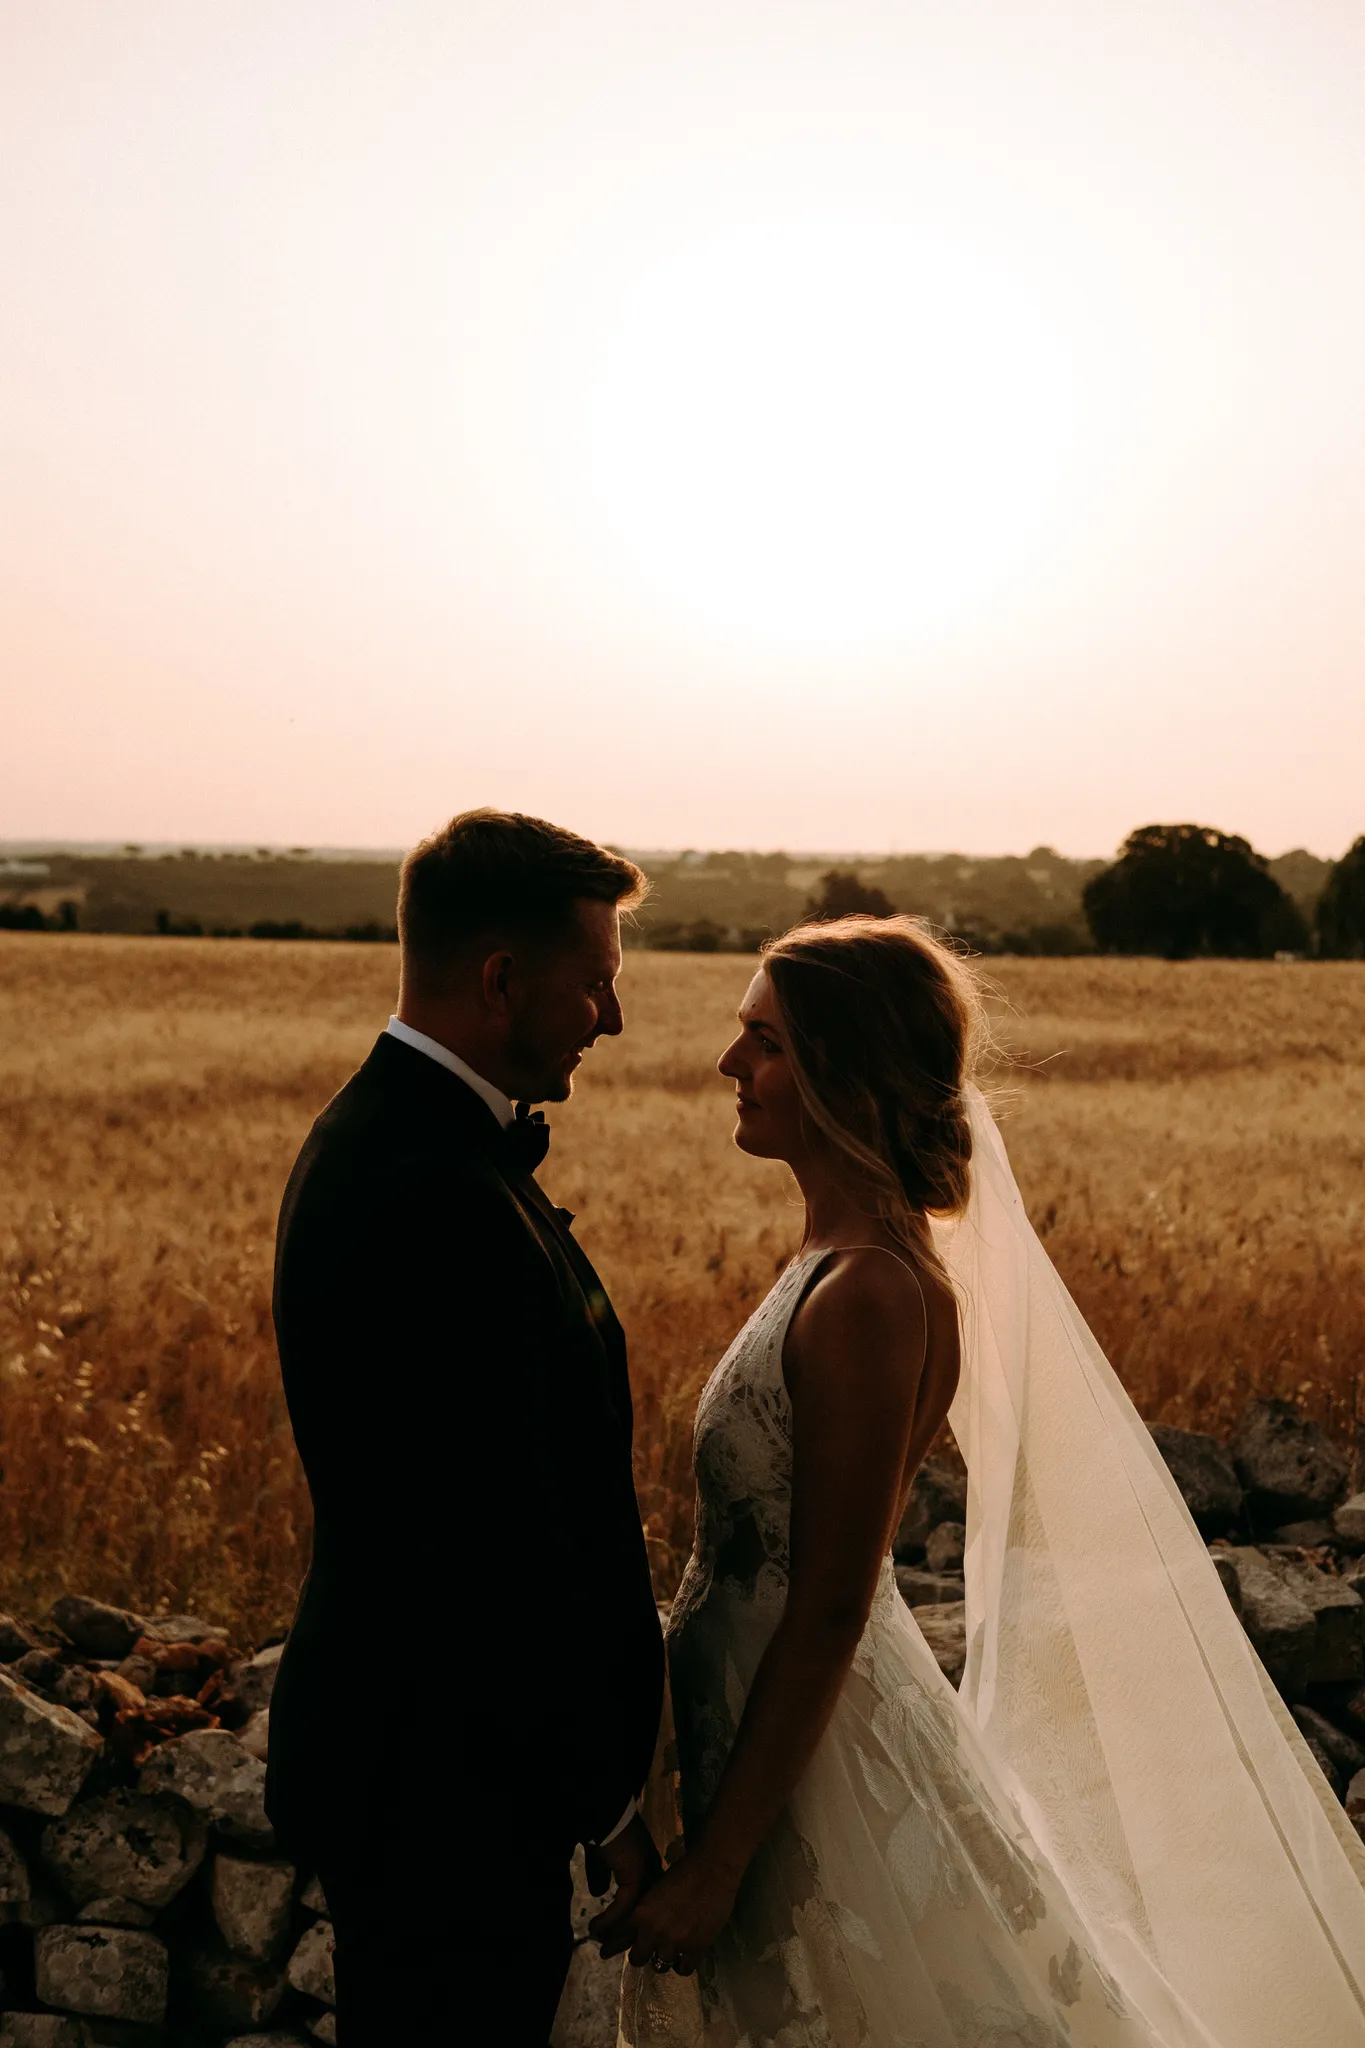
(526, 1140)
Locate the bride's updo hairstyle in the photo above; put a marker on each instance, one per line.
(884, 1025)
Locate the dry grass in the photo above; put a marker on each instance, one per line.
(1191, 1140)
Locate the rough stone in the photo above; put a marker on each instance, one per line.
(1283, 1630)
(1203, 1471)
(920, 1588)
(944, 1628)
(241, 1689)
(1304, 1535)
(40, 1669)
(43, 2030)
(939, 1494)
(589, 2005)
(179, 1628)
(46, 1751)
(312, 1898)
(210, 1771)
(117, 1972)
(228, 1993)
(1227, 1573)
(1346, 1754)
(75, 1688)
(255, 1737)
(117, 1913)
(251, 1903)
(324, 2029)
(125, 1845)
(96, 1629)
(1291, 1471)
(255, 1681)
(310, 1966)
(944, 1550)
(1348, 1522)
(138, 1671)
(1339, 1614)
(16, 1639)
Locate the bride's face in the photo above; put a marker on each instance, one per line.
(769, 1108)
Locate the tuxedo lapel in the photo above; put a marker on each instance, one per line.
(443, 1101)
(587, 1285)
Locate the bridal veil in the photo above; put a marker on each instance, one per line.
(1147, 1752)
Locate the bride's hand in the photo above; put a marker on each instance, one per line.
(675, 1921)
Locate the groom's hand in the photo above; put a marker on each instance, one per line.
(634, 1863)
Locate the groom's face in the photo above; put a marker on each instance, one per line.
(561, 1000)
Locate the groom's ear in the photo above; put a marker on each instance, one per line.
(497, 970)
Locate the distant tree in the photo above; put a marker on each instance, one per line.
(843, 895)
(21, 917)
(1180, 891)
(1341, 908)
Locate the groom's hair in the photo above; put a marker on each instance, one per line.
(497, 873)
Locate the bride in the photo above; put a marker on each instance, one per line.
(1112, 1836)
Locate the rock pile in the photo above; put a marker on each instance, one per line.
(1288, 1544)
(143, 1903)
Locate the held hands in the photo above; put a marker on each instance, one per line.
(669, 1925)
(632, 1860)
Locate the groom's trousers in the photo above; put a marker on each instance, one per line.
(447, 1941)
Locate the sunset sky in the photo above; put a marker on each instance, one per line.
(838, 425)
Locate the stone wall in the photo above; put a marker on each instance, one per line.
(143, 1905)
(1289, 1546)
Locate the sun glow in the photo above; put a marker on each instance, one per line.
(829, 437)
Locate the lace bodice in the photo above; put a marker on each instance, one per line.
(742, 1454)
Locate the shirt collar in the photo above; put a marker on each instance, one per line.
(444, 1057)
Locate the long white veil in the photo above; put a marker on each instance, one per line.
(1133, 1725)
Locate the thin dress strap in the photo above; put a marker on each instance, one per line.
(828, 1252)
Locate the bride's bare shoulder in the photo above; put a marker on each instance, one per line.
(867, 1309)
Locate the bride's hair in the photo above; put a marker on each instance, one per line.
(885, 1027)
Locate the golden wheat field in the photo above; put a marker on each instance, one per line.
(1190, 1139)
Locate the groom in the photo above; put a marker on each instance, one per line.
(473, 1680)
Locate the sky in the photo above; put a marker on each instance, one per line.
(834, 424)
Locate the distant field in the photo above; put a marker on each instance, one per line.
(1190, 1139)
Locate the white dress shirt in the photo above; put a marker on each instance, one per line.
(444, 1057)
(505, 1114)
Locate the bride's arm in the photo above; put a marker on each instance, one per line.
(853, 1362)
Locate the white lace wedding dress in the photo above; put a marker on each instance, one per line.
(1112, 1837)
(898, 1901)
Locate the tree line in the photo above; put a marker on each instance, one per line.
(1176, 892)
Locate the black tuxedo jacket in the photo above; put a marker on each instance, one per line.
(477, 1632)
